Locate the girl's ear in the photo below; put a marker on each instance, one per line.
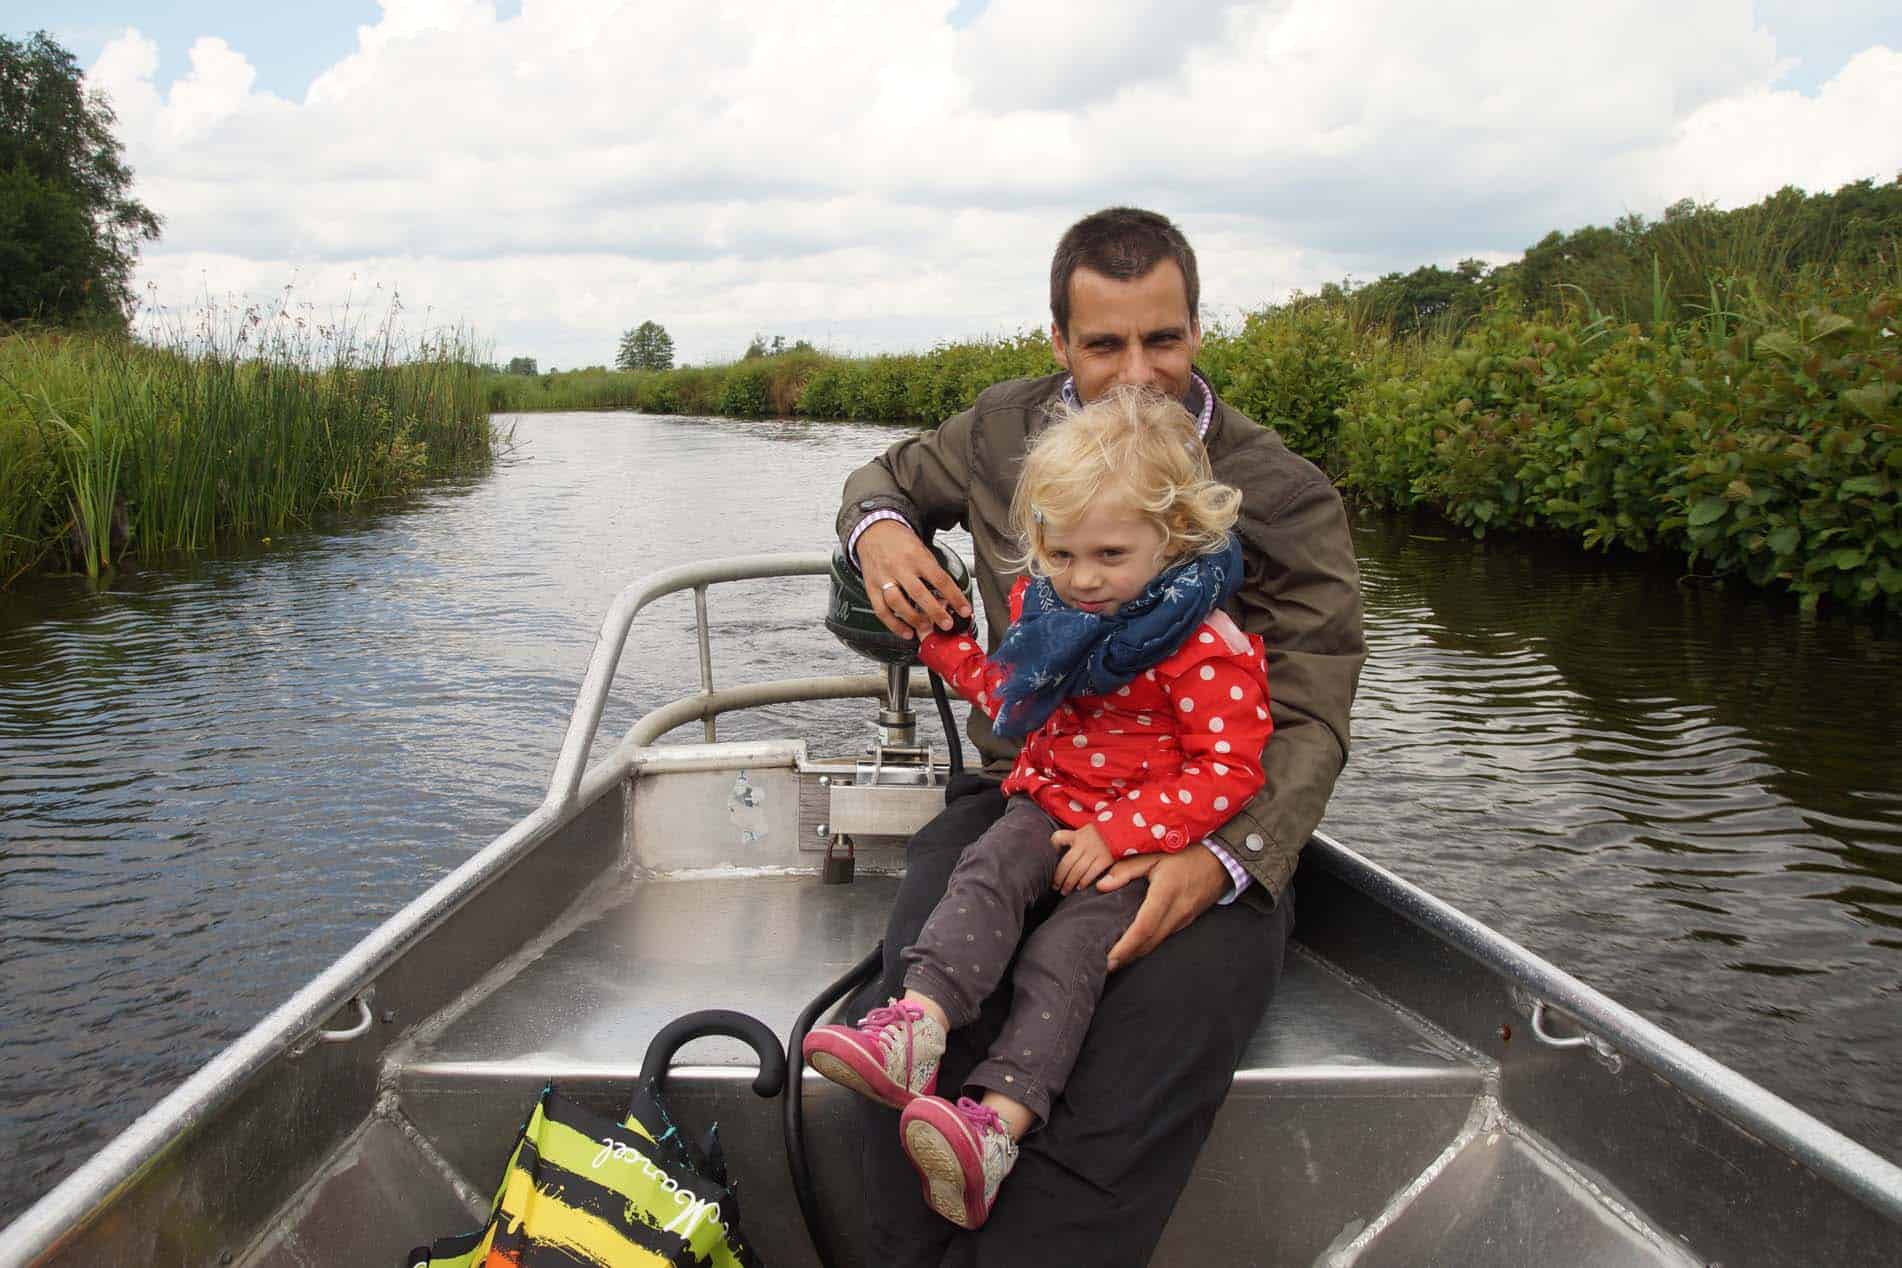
(1035, 560)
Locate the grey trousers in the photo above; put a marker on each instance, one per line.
(967, 944)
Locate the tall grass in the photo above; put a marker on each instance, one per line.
(112, 446)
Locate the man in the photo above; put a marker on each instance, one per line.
(1195, 970)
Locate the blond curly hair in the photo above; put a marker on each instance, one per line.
(1132, 445)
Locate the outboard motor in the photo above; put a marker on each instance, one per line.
(896, 786)
(850, 617)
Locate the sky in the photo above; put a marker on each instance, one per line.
(881, 175)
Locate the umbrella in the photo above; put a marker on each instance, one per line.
(581, 1189)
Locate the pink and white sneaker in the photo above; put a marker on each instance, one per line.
(891, 1056)
(962, 1153)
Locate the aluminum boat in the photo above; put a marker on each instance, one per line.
(1421, 1091)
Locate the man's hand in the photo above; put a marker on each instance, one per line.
(1085, 856)
(908, 589)
(1181, 887)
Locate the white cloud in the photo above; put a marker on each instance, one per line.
(863, 171)
(1736, 149)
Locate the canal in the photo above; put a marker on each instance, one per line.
(216, 776)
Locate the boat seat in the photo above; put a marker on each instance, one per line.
(1340, 1100)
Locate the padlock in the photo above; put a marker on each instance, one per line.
(838, 868)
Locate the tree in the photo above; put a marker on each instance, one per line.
(778, 347)
(646, 347)
(69, 229)
(522, 365)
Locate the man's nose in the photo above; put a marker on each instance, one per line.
(1138, 369)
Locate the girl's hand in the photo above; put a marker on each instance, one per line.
(1085, 857)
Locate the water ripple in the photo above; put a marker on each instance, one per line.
(215, 778)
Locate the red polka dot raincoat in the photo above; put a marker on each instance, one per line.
(1156, 764)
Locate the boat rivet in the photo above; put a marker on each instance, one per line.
(825, 781)
(820, 832)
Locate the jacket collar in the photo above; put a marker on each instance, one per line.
(1200, 401)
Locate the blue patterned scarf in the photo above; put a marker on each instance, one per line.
(1053, 652)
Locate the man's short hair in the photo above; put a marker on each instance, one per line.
(1121, 243)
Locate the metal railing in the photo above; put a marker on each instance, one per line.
(583, 724)
(572, 786)
(1610, 1025)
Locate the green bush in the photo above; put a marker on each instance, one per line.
(911, 387)
(1293, 369)
(1798, 484)
(746, 390)
(823, 395)
(1766, 448)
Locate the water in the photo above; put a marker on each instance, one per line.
(214, 778)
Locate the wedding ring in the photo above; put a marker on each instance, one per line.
(889, 585)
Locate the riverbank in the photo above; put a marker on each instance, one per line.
(1757, 438)
(112, 448)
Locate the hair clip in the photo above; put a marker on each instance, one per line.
(1036, 515)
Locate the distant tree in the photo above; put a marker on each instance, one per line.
(762, 347)
(522, 365)
(646, 347)
(69, 229)
(1411, 301)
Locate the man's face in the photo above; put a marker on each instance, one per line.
(1138, 333)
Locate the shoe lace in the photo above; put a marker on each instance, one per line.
(887, 1022)
(980, 1115)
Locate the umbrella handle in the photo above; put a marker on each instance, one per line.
(719, 1021)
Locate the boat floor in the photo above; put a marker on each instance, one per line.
(1355, 1132)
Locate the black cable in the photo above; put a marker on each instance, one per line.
(950, 723)
(792, 1109)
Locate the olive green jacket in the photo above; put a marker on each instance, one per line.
(1300, 589)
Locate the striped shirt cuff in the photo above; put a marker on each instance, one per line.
(852, 542)
(1237, 874)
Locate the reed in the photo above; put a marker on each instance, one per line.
(111, 445)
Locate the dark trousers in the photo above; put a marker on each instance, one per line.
(1096, 1184)
(973, 937)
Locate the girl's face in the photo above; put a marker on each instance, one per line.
(1104, 559)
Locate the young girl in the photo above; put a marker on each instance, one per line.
(1143, 710)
